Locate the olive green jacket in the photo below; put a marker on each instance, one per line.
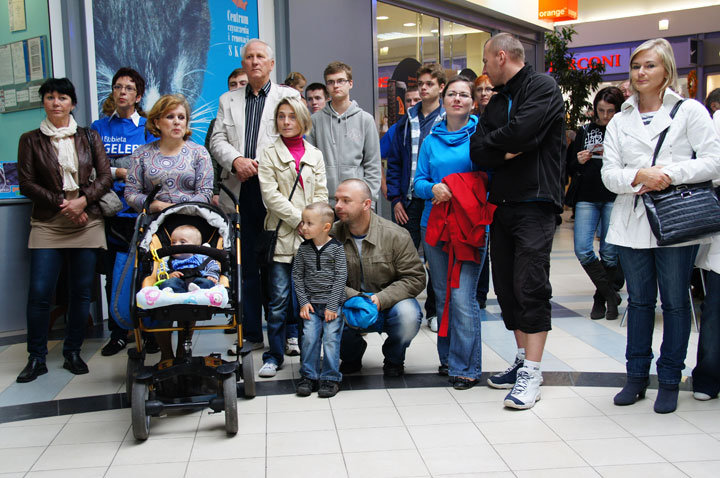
(390, 266)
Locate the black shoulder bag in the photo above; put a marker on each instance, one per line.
(265, 247)
(683, 212)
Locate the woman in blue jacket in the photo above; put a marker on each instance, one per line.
(446, 151)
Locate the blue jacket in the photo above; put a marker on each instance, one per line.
(399, 161)
(442, 153)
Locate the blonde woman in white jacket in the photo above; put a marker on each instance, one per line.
(278, 168)
(630, 140)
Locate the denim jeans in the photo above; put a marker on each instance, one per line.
(178, 285)
(400, 322)
(647, 270)
(45, 266)
(280, 310)
(706, 374)
(414, 211)
(588, 216)
(317, 332)
(461, 350)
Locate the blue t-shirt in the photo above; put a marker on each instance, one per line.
(122, 136)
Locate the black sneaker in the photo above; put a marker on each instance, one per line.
(443, 370)
(113, 347)
(306, 386)
(328, 389)
(346, 368)
(150, 345)
(393, 369)
(232, 330)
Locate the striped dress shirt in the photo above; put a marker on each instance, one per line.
(254, 105)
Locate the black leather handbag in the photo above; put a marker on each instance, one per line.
(683, 212)
(265, 246)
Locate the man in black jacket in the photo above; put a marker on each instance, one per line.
(521, 138)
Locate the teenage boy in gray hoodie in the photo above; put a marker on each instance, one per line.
(346, 135)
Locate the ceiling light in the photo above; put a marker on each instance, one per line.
(409, 24)
(663, 24)
(434, 30)
(384, 50)
(382, 17)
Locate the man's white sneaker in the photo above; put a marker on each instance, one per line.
(701, 396)
(269, 369)
(526, 390)
(433, 323)
(292, 348)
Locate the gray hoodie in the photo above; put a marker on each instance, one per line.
(350, 146)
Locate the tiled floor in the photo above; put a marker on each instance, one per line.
(390, 430)
(572, 431)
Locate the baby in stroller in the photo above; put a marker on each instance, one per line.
(189, 272)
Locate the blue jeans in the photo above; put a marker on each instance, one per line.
(178, 285)
(45, 266)
(280, 310)
(400, 322)
(316, 332)
(647, 270)
(461, 350)
(706, 374)
(588, 215)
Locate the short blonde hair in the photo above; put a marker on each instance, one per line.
(302, 115)
(192, 231)
(323, 210)
(664, 50)
(162, 107)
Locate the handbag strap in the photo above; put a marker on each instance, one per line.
(661, 139)
(292, 191)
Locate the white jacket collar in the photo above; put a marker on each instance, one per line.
(135, 117)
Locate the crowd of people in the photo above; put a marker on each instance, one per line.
(475, 175)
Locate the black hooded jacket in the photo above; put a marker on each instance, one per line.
(526, 116)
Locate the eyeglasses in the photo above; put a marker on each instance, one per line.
(128, 88)
(339, 82)
(453, 94)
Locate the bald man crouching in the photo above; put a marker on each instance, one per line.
(382, 261)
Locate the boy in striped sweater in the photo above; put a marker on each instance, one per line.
(319, 274)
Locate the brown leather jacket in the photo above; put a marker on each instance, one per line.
(40, 174)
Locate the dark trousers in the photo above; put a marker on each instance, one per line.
(252, 215)
(45, 266)
(414, 212)
(521, 239)
(706, 374)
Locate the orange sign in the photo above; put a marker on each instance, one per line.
(558, 10)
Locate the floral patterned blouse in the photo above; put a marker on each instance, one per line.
(188, 176)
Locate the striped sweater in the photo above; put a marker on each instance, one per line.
(319, 275)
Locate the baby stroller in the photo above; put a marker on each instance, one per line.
(187, 381)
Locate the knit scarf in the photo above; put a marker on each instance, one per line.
(64, 143)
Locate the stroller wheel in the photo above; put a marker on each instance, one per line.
(140, 419)
(248, 375)
(132, 366)
(229, 386)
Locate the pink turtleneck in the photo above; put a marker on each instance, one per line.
(297, 150)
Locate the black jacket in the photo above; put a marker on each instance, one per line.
(536, 129)
(590, 187)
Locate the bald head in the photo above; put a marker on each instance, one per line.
(509, 44)
(357, 186)
(353, 204)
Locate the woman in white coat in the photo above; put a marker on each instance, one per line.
(629, 144)
(279, 166)
(706, 374)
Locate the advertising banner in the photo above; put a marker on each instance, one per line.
(184, 46)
